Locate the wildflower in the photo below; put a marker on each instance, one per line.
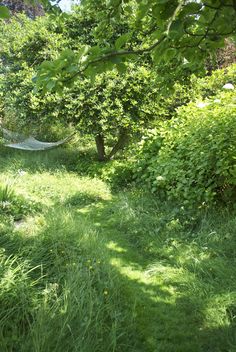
(21, 172)
(202, 104)
(160, 178)
(228, 86)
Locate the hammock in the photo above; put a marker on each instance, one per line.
(18, 141)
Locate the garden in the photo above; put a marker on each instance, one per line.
(122, 237)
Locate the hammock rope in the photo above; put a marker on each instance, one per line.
(18, 141)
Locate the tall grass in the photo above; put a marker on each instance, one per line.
(89, 270)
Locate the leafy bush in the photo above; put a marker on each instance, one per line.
(192, 157)
(210, 85)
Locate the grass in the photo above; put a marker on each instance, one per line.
(88, 269)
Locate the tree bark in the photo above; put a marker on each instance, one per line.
(99, 139)
(121, 143)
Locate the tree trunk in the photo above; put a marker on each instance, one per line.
(100, 147)
(121, 143)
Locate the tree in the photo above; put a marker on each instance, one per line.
(111, 108)
(186, 31)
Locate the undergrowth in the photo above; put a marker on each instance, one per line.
(93, 270)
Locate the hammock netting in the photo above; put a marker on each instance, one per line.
(18, 141)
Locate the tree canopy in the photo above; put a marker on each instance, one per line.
(183, 32)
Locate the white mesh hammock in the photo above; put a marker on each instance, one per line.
(18, 141)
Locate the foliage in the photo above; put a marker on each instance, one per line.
(192, 157)
(27, 43)
(112, 105)
(171, 31)
(210, 85)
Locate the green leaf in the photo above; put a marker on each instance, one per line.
(170, 53)
(192, 8)
(50, 85)
(121, 41)
(4, 12)
(122, 68)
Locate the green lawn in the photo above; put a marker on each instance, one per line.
(88, 269)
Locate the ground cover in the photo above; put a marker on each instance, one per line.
(85, 268)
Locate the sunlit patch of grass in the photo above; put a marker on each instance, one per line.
(94, 271)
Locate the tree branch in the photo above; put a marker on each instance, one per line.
(131, 52)
(115, 54)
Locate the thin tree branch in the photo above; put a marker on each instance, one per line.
(131, 52)
(115, 54)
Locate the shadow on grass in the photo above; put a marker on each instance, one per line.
(82, 200)
(176, 279)
(82, 161)
(161, 272)
(52, 160)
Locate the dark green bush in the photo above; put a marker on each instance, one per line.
(193, 157)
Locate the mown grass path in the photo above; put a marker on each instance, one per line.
(103, 271)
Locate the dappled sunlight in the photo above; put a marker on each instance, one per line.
(132, 255)
(121, 239)
(115, 247)
(155, 290)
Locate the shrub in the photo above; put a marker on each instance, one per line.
(209, 86)
(192, 157)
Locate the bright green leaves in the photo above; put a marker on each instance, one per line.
(122, 40)
(4, 12)
(192, 156)
(191, 27)
(112, 101)
(110, 33)
(55, 75)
